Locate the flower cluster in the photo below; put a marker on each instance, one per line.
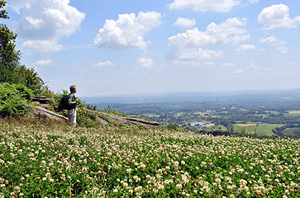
(38, 160)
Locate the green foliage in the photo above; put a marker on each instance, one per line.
(112, 111)
(7, 75)
(85, 118)
(14, 99)
(172, 126)
(29, 78)
(10, 69)
(9, 57)
(45, 91)
(3, 13)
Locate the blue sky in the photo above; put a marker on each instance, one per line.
(150, 46)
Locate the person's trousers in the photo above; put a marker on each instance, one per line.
(72, 117)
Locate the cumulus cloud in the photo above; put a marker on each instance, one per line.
(43, 62)
(185, 22)
(44, 46)
(128, 31)
(245, 47)
(44, 22)
(277, 16)
(189, 45)
(275, 42)
(205, 5)
(103, 64)
(145, 62)
(199, 54)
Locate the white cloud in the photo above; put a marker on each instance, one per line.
(145, 62)
(103, 64)
(199, 54)
(228, 65)
(277, 16)
(189, 45)
(44, 22)
(252, 66)
(185, 22)
(245, 47)
(44, 46)
(275, 42)
(239, 72)
(127, 32)
(209, 64)
(205, 5)
(43, 62)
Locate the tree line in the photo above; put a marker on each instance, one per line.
(11, 70)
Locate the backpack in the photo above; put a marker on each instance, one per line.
(64, 104)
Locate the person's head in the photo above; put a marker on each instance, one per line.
(73, 89)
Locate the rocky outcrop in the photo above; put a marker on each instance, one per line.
(102, 118)
(43, 113)
(105, 117)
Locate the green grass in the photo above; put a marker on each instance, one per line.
(273, 112)
(261, 129)
(260, 115)
(217, 128)
(150, 115)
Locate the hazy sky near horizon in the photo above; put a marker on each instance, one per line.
(152, 46)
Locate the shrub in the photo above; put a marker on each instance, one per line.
(172, 126)
(14, 99)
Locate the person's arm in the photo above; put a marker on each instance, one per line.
(70, 103)
(74, 102)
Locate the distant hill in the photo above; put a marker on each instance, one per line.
(248, 97)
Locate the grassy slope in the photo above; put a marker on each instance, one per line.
(57, 161)
(261, 129)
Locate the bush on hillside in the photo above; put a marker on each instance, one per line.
(30, 78)
(14, 99)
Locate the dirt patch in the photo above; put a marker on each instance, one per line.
(245, 125)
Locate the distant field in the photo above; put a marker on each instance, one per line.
(272, 112)
(259, 114)
(200, 113)
(151, 115)
(294, 112)
(261, 129)
(219, 127)
(245, 125)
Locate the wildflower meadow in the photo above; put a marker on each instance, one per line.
(38, 160)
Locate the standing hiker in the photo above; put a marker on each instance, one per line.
(72, 102)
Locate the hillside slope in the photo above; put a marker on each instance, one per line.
(39, 160)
